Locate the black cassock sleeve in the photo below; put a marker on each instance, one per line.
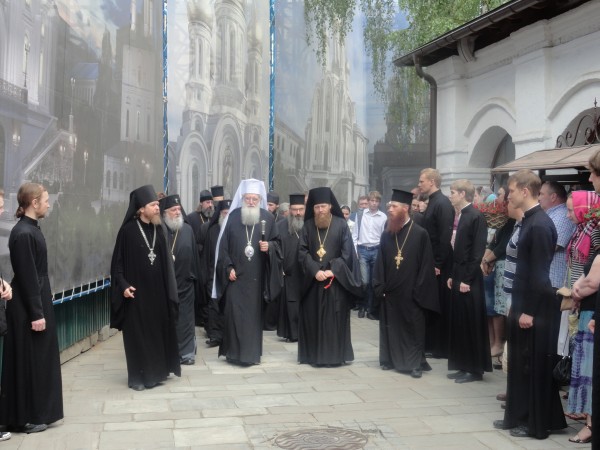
(425, 291)
(23, 260)
(273, 282)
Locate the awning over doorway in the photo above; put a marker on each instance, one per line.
(549, 159)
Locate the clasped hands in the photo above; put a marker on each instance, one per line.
(463, 288)
(322, 275)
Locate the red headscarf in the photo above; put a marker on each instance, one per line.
(582, 238)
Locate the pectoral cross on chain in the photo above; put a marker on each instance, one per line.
(398, 259)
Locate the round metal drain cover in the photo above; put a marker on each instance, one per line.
(322, 439)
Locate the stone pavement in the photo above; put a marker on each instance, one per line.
(217, 405)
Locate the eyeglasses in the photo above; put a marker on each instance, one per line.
(251, 199)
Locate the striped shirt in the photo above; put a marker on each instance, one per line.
(510, 265)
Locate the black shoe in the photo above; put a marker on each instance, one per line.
(361, 314)
(187, 362)
(468, 378)
(137, 387)
(212, 343)
(371, 316)
(455, 375)
(151, 385)
(425, 367)
(416, 373)
(5, 435)
(35, 428)
(386, 367)
(499, 425)
(356, 308)
(520, 431)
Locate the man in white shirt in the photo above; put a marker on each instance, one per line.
(366, 236)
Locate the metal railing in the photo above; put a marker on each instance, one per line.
(13, 91)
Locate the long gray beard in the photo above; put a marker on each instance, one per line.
(221, 220)
(174, 224)
(295, 224)
(250, 216)
(208, 212)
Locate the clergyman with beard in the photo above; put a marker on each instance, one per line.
(196, 219)
(331, 282)
(144, 302)
(182, 245)
(203, 213)
(214, 324)
(404, 279)
(289, 230)
(248, 272)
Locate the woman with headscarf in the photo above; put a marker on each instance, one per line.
(581, 252)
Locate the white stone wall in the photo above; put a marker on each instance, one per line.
(530, 86)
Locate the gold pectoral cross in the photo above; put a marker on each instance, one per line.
(398, 259)
(321, 252)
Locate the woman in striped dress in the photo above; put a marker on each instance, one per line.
(581, 252)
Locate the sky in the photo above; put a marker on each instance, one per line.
(370, 110)
(89, 18)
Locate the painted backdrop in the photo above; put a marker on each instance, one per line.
(81, 111)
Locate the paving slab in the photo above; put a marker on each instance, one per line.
(215, 405)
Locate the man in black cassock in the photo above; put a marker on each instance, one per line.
(331, 282)
(203, 213)
(214, 324)
(438, 220)
(31, 395)
(248, 272)
(533, 405)
(196, 219)
(182, 244)
(404, 280)
(144, 302)
(290, 230)
(271, 309)
(469, 347)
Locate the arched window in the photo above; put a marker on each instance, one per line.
(148, 127)
(108, 178)
(328, 113)
(232, 56)
(115, 179)
(121, 181)
(137, 127)
(199, 68)
(127, 123)
(195, 182)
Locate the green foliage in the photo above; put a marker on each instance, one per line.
(379, 23)
(325, 17)
(427, 19)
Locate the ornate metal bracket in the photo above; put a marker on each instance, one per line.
(584, 130)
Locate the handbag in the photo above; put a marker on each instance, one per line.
(566, 302)
(562, 370)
